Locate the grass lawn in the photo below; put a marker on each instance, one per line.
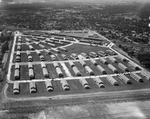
(79, 48)
(38, 72)
(24, 72)
(46, 56)
(24, 57)
(51, 71)
(63, 71)
(35, 56)
(81, 69)
(94, 68)
(70, 69)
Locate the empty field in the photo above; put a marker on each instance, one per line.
(79, 48)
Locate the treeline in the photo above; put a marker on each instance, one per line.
(144, 59)
(121, 8)
(36, 6)
(5, 47)
(4, 40)
(144, 12)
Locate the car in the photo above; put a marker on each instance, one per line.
(53, 57)
(74, 56)
(101, 53)
(42, 58)
(110, 52)
(32, 86)
(84, 55)
(16, 91)
(64, 56)
(93, 54)
(18, 58)
(30, 59)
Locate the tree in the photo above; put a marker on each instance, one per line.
(131, 53)
(5, 47)
(146, 64)
(144, 13)
(143, 57)
(120, 46)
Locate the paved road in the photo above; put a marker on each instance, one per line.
(11, 57)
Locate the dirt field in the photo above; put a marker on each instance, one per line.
(93, 109)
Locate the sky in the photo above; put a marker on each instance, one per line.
(100, 0)
(97, 1)
(93, 2)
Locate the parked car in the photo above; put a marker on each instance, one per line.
(93, 54)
